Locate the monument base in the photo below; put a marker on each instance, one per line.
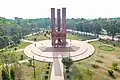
(43, 50)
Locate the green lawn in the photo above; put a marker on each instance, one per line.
(74, 37)
(39, 37)
(78, 37)
(103, 59)
(22, 45)
(11, 50)
(69, 36)
(106, 48)
(41, 68)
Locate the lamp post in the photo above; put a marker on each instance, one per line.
(69, 50)
(34, 68)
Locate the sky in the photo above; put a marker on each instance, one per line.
(74, 8)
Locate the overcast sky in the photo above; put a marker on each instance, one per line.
(75, 8)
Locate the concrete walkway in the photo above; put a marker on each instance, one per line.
(19, 50)
(57, 70)
(27, 41)
(91, 40)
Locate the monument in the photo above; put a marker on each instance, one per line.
(47, 50)
(59, 36)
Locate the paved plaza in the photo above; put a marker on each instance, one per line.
(43, 50)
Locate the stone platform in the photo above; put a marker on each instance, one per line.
(43, 50)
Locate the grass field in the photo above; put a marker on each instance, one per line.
(39, 37)
(80, 37)
(105, 55)
(41, 68)
(69, 36)
(103, 59)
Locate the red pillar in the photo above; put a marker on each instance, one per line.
(58, 19)
(64, 19)
(53, 19)
(58, 38)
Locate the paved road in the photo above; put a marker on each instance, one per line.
(100, 36)
(27, 41)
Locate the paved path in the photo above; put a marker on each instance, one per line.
(57, 70)
(100, 36)
(91, 40)
(27, 41)
(19, 50)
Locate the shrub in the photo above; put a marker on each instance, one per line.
(67, 67)
(30, 62)
(87, 71)
(94, 66)
(68, 77)
(48, 67)
(47, 72)
(21, 57)
(99, 61)
(15, 49)
(46, 77)
(48, 64)
(12, 73)
(5, 75)
(67, 61)
(110, 72)
(114, 44)
(67, 70)
(115, 65)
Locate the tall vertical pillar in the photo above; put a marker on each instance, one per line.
(58, 23)
(58, 19)
(53, 19)
(64, 19)
(58, 38)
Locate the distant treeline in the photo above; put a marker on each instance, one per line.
(11, 31)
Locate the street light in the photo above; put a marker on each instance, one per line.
(34, 68)
(69, 50)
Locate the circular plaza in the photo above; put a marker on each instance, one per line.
(43, 50)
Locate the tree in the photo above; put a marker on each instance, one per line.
(110, 73)
(3, 30)
(30, 62)
(5, 75)
(67, 61)
(12, 73)
(15, 39)
(97, 27)
(4, 41)
(115, 65)
(112, 28)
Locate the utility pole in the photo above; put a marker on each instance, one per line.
(69, 50)
(34, 68)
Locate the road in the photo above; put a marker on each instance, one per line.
(100, 36)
